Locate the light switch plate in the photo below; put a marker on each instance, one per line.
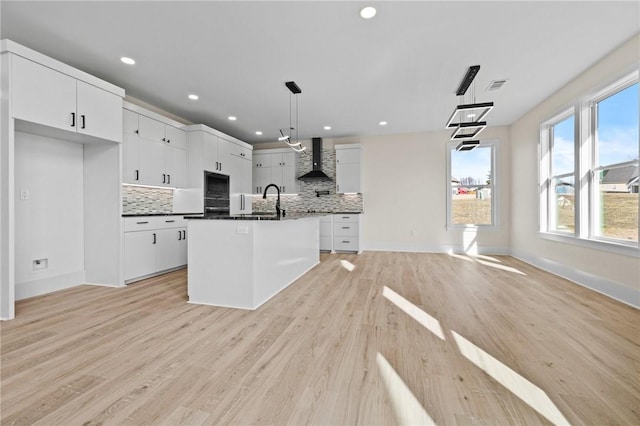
(24, 194)
(242, 229)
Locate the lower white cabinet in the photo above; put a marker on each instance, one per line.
(326, 233)
(346, 232)
(153, 244)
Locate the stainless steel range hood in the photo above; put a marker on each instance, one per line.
(316, 173)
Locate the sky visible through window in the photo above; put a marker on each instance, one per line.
(618, 127)
(562, 153)
(475, 164)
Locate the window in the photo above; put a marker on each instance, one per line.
(561, 190)
(472, 185)
(615, 165)
(589, 167)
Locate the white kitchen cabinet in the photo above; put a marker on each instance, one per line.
(139, 259)
(213, 151)
(153, 152)
(240, 182)
(346, 232)
(326, 233)
(277, 166)
(348, 169)
(154, 244)
(45, 96)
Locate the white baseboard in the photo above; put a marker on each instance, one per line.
(428, 248)
(612, 289)
(48, 285)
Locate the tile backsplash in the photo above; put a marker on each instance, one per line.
(143, 200)
(307, 198)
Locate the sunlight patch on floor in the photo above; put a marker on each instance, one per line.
(460, 256)
(347, 265)
(406, 406)
(532, 395)
(499, 266)
(432, 324)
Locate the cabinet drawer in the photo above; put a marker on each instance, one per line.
(141, 223)
(345, 229)
(345, 243)
(325, 229)
(345, 217)
(172, 222)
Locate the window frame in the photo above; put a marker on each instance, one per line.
(494, 144)
(585, 178)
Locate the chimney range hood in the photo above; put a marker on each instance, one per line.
(316, 159)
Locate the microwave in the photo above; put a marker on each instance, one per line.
(216, 194)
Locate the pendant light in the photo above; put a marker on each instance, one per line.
(286, 137)
(467, 120)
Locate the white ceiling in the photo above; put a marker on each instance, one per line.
(403, 66)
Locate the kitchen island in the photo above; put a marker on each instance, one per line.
(242, 261)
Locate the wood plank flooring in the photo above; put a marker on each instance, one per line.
(403, 338)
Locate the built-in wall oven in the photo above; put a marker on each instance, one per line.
(216, 194)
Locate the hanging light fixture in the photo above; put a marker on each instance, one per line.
(286, 137)
(467, 119)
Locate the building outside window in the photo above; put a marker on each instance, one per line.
(472, 195)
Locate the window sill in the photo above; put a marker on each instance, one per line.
(474, 228)
(609, 246)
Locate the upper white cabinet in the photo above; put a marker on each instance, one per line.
(45, 96)
(213, 151)
(348, 170)
(154, 152)
(277, 166)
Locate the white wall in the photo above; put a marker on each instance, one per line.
(615, 274)
(50, 224)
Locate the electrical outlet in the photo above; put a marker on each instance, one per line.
(242, 230)
(40, 264)
(24, 194)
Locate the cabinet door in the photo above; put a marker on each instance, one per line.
(234, 169)
(176, 166)
(210, 152)
(176, 137)
(152, 167)
(223, 156)
(169, 247)
(139, 254)
(261, 178)
(182, 248)
(261, 160)
(42, 95)
(130, 158)
(351, 155)
(151, 129)
(276, 176)
(347, 177)
(247, 181)
(99, 112)
(288, 159)
(129, 122)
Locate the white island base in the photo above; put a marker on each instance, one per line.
(243, 263)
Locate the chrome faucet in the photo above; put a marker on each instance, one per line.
(278, 210)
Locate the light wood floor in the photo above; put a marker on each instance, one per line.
(452, 340)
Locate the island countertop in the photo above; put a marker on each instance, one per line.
(266, 216)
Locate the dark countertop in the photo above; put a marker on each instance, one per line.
(258, 216)
(156, 214)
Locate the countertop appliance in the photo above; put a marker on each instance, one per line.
(216, 194)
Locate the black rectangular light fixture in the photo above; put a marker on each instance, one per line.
(472, 113)
(293, 87)
(468, 130)
(468, 78)
(467, 145)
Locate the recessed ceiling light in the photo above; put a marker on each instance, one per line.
(368, 12)
(383, 123)
(232, 118)
(194, 97)
(258, 132)
(327, 127)
(127, 61)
